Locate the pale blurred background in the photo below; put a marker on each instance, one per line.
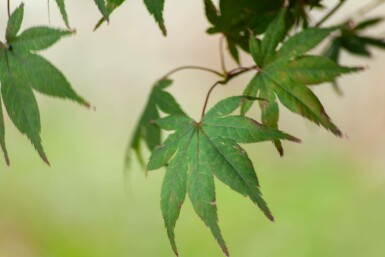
(327, 194)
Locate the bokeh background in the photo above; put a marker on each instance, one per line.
(327, 194)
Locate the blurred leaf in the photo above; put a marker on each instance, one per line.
(351, 41)
(21, 71)
(146, 130)
(368, 23)
(197, 152)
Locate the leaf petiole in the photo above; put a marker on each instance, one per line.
(192, 67)
(229, 76)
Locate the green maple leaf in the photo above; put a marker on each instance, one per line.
(146, 130)
(286, 72)
(22, 71)
(198, 151)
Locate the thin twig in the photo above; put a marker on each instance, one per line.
(221, 54)
(230, 75)
(330, 13)
(191, 67)
(208, 95)
(49, 12)
(9, 8)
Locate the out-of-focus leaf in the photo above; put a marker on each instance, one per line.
(146, 129)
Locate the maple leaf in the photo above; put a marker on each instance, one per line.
(286, 72)
(22, 71)
(198, 151)
(146, 130)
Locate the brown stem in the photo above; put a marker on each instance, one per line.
(221, 54)
(9, 8)
(208, 96)
(229, 76)
(191, 67)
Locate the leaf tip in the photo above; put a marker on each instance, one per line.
(7, 161)
(45, 159)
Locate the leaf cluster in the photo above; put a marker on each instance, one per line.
(236, 20)
(352, 40)
(23, 71)
(199, 151)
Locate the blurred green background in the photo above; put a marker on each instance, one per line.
(327, 194)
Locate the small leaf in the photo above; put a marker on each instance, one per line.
(303, 42)
(368, 23)
(146, 129)
(14, 22)
(47, 79)
(256, 51)
(274, 34)
(174, 189)
(270, 113)
(310, 70)
(155, 8)
(201, 188)
(211, 11)
(38, 38)
(355, 45)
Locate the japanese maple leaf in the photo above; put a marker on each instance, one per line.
(286, 72)
(22, 71)
(199, 151)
